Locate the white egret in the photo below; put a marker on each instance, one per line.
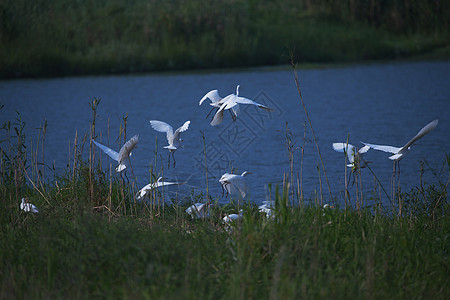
(233, 183)
(122, 157)
(154, 185)
(216, 102)
(232, 101)
(173, 138)
(354, 155)
(400, 152)
(198, 211)
(326, 207)
(268, 208)
(233, 217)
(230, 219)
(28, 207)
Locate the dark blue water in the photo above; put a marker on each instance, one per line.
(384, 103)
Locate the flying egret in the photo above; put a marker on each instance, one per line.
(149, 187)
(198, 211)
(231, 101)
(122, 157)
(233, 183)
(216, 102)
(400, 152)
(173, 138)
(354, 155)
(28, 207)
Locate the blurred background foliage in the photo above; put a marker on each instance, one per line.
(75, 37)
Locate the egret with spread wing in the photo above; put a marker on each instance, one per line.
(400, 152)
(173, 138)
(233, 183)
(122, 157)
(232, 101)
(154, 185)
(354, 155)
(216, 102)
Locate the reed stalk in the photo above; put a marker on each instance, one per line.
(206, 169)
(297, 83)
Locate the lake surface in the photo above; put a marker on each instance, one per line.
(382, 104)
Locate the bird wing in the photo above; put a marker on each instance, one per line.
(429, 127)
(211, 95)
(235, 109)
(164, 183)
(242, 100)
(218, 117)
(161, 126)
(110, 152)
(183, 128)
(238, 184)
(341, 147)
(126, 149)
(346, 148)
(389, 149)
(142, 192)
(364, 149)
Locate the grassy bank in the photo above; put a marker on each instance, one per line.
(92, 240)
(338, 255)
(55, 38)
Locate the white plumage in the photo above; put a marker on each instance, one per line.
(233, 183)
(231, 102)
(173, 138)
(28, 207)
(352, 153)
(159, 183)
(198, 211)
(400, 152)
(122, 157)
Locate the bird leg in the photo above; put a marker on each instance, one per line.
(173, 156)
(233, 116)
(209, 113)
(350, 174)
(168, 164)
(226, 184)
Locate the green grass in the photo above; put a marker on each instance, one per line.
(57, 38)
(57, 254)
(91, 240)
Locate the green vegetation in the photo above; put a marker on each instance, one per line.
(65, 37)
(92, 240)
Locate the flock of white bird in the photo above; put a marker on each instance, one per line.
(355, 156)
(231, 183)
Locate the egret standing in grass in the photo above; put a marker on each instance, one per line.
(230, 219)
(233, 183)
(268, 207)
(233, 217)
(123, 156)
(198, 211)
(400, 152)
(173, 138)
(230, 102)
(28, 207)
